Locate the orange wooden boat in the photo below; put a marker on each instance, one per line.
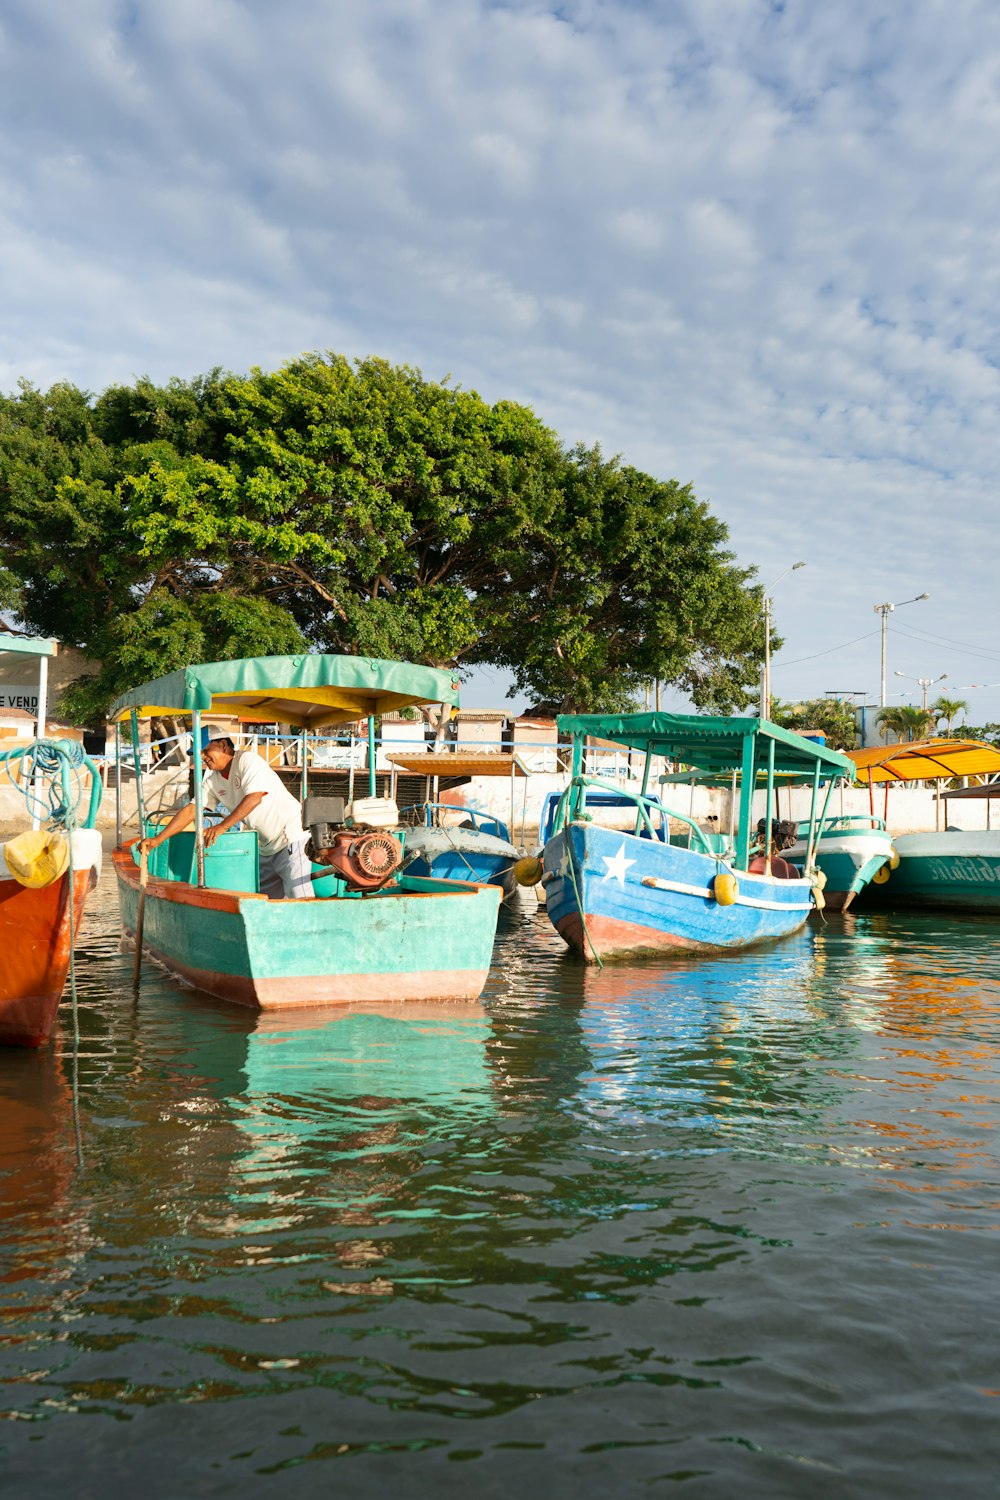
(35, 912)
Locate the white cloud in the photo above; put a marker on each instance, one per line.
(751, 246)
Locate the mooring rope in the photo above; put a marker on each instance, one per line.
(49, 795)
(579, 898)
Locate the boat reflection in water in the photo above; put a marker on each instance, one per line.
(37, 1163)
(333, 1122)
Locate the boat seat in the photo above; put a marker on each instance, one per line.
(780, 868)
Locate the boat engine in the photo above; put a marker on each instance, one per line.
(364, 859)
(783, 833)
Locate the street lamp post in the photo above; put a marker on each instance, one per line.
(765, 676)
(925, 682)
(885, 610)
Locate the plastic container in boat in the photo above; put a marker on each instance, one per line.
(374, 812)
(231, 864)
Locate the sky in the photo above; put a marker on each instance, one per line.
(753, 246)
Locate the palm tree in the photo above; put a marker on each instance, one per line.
(907, 722)
(947, 708)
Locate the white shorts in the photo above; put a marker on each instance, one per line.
(287, 873)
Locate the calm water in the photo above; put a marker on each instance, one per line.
(719, 1228)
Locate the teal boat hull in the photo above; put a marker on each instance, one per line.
(849, 857)
(418, 940)
(955, 870)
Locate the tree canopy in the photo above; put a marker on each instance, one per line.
(907, 722)
(834, 717)
(358, 507)
(948, 709)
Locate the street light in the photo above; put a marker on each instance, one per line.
(925, 682)
(885, 610)
(765, 676)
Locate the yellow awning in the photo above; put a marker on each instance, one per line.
(926, 760)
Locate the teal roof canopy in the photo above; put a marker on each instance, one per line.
(712, 744)
(307, 690)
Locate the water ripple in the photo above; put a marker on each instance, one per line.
(729, 1223)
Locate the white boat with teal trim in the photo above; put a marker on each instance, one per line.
(614, 893)
(363, 937)
(850, 851)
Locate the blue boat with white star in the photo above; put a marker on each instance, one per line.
(664, 884)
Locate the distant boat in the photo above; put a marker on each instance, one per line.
(614, 893)
(374, 931)
(45, 878)
(479, 847)
(951, 867)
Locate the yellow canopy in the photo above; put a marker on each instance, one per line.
(925, 760)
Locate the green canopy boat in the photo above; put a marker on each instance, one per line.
(202, 913)
(610, 893)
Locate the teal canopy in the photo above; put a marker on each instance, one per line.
(305, 690)
(713, 744)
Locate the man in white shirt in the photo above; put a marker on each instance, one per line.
(253, 795)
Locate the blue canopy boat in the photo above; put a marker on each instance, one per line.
(612, 893)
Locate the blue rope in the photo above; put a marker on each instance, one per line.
(51, 781)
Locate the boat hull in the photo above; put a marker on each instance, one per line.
(426, 940)
(848, 860)
(35, 944)
(957, 870)
(640, 896)
(462, 854)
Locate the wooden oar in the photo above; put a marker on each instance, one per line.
(140, 915)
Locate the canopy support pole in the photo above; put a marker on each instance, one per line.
(42, 714)
(769, 804)
(372, 791)
(350, 772)
(303, 753)
(813, 835)
(138, 773)
(118, 785)
(748, 772)
(199, 798)
(732, 808)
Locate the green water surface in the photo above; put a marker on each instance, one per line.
(713, 1227)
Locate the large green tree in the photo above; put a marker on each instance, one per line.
(359, 507)
(621, 579)
(74, 534)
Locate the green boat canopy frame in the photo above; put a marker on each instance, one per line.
(742, 745)
(309, 691)
(711, 744)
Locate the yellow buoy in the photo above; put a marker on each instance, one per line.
(893, 860)
(528, 871)
(725, 888)
(37, 858)
(882, 874)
